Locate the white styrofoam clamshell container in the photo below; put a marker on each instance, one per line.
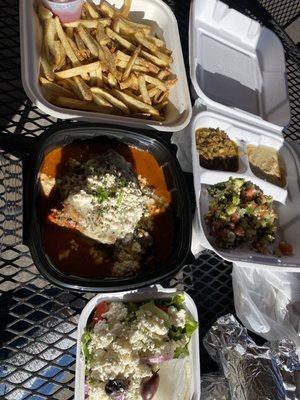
(289, 214)
(238, 66)
(157, 14)
(150, 293)
(238, 72)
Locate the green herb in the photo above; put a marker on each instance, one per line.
(181, 352)
(102, 194)
(131, 315)
(123, 183)
(85, 341)
(175, 333)
(120, 199)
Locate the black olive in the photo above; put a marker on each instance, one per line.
(114, 386)
(149, 387)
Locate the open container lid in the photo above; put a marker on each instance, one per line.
(237, 67)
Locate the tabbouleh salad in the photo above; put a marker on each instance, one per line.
(239, 212)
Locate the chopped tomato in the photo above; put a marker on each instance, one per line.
(239, 231)
(285, 249)
(101, 309)
(249, 193)
(234, 218)
(215, 226)
(163, 308)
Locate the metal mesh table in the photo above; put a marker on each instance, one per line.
(37, 320)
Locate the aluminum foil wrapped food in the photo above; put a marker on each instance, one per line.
(214, 387)
(253, 372)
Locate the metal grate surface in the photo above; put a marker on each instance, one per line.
(37, 320)
(283, 11)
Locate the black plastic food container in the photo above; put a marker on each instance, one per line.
(33, 154)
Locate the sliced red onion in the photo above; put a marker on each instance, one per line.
(156, 359)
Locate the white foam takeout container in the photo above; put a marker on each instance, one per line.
(238, 73)
(160, 17)
(150, 293)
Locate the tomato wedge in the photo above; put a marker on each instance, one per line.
(101, 309)
(286, 249)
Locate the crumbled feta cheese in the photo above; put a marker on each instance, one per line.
(116, 312)
(102, 336)
(178, 317)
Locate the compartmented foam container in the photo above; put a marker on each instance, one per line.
(150, 293)
(157, 14)
(238, 71)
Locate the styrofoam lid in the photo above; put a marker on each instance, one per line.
(237, 66)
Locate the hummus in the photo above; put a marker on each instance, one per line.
(264, 163)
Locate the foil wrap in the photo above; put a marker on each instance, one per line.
(214, 387)
(253, 372)
(224, 332)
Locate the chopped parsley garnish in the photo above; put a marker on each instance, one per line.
(102, 194)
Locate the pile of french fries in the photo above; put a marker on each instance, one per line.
(104, 62)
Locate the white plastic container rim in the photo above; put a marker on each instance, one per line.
(149, 293)
(161, 17)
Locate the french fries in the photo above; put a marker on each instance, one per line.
(134, 103)
(131, 63)
(106, 63)
(126, 8)
(83, 88)
(46, 67)
(43, 12)
(89, 23)
(111, 99)
(54, 89)
(91, 10)
(69, 73)
(76, 104)
(88, 40)
(143, 89)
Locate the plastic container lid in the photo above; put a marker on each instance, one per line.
(237, 67)
(150, 293)
(160, 17)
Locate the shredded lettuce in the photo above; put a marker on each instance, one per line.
(190, 326)
(181, 352)
(85, 340)
(177, 301)
(155, 310)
